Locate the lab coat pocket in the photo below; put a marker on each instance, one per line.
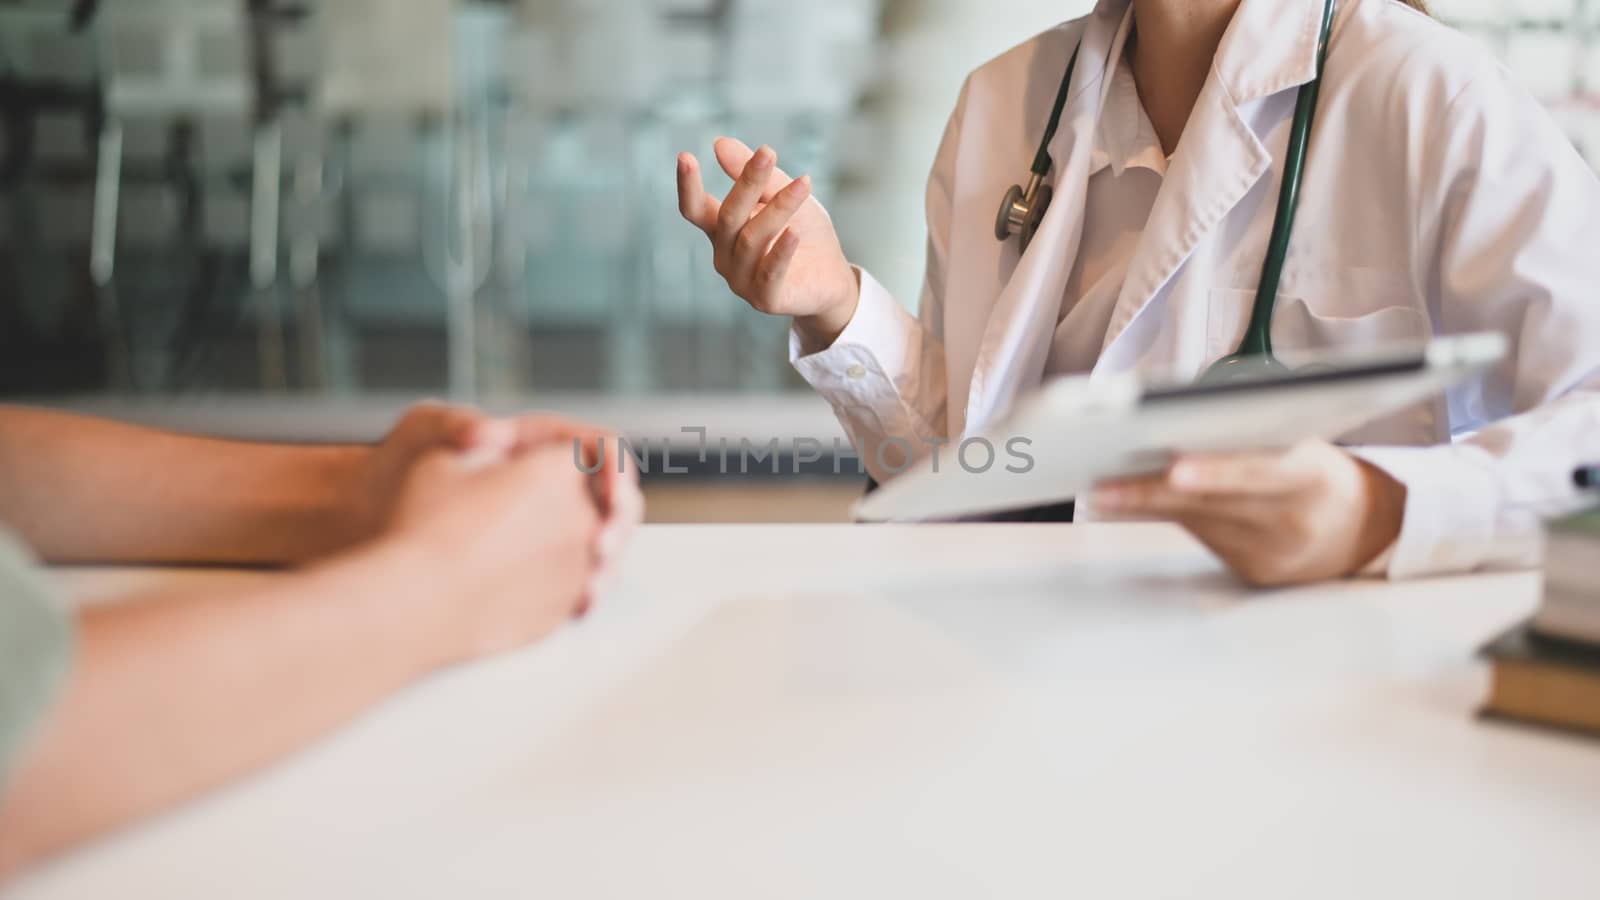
(1310, 322)
(1344, 310)
(1356, 311)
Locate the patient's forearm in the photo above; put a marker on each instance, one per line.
(174, 694)
(80, 489)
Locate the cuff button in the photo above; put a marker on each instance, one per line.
(856, 372)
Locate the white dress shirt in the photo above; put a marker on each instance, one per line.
(1125, 177)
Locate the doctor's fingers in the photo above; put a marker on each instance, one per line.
(755, 240)
(1262, 473)
(1264, 539)
(697, 206)
(734, 155)
(766, 287)
(742, 201)
(1255, 555)
(1153, 498)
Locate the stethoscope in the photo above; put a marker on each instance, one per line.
(1024, 208)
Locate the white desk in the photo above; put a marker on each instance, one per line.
(991, 711)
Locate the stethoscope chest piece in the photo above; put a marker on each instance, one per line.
(1244, 367)
(1023, 210)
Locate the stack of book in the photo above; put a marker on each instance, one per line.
(1548, 671)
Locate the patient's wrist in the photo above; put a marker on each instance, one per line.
(407, 592)
(348, 504)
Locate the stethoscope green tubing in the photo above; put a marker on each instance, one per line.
(1257, 340)
(1258, 334)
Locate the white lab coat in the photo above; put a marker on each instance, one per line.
(1438, 199)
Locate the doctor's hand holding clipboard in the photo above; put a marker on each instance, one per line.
(1186, 185)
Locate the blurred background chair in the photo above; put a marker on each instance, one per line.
(58, 331)
(184, 149)
(409, 257)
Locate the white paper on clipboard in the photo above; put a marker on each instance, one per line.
(1080, 432)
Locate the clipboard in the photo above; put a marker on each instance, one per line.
(1077, 432)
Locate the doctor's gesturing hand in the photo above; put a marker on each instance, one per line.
(775, 246)
(1305, 514)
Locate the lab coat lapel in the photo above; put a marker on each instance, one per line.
(1219, 160)
(1270, 47)
(1016, 338)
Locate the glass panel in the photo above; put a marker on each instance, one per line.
(353, 197)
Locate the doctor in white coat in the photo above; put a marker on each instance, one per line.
(1438, 199)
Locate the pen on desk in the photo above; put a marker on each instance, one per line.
(1587, 477)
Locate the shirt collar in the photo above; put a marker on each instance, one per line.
(1125, 138)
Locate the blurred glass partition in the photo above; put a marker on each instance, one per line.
(352, 198)
(344, 197)
(368, 198)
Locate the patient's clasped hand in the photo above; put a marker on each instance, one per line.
(457, 536)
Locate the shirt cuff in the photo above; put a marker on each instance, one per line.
(881, 327)
(865, 373)
(1453, 520)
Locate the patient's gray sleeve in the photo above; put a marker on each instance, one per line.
(35, 648)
